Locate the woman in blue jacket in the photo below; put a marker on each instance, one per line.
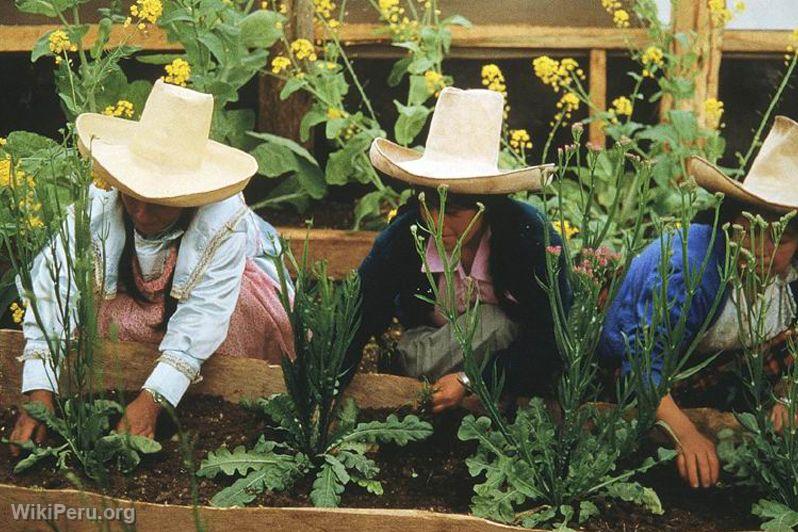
(770, 190)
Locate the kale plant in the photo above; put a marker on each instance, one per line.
(321, 433)
(551, 466)
(767, 456)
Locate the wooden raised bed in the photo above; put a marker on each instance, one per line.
(234, 379)
(343, 250)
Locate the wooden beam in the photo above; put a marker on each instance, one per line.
(492, 38)
(598, 94)
(343, 250)
(22, 38)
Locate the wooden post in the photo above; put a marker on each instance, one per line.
(693, 18)
(598, 94)
(282, 117)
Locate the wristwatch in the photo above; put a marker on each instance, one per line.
(463, 379)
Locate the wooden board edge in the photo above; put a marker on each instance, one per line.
(151, 516)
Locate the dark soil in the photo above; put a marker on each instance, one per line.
(429, 475)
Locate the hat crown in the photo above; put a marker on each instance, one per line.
(174, 126)
(774, 172)
(466, 126)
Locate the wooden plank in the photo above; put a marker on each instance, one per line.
(343, 250)
(598, 94)
(149, 516)
(22, 38)
(126, 365)
(510, 39)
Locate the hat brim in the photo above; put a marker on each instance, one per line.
(711, 178)
(388, 157)
(223, 172)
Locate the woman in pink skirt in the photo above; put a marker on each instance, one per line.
(182, 262)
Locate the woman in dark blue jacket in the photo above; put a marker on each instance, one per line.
(503, 255)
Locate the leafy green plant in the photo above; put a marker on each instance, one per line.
(88, 78)
(321, 434)
(766, 458)
(96, 447)
(328, 76)
(553, 466)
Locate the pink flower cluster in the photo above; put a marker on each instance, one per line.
(598, 264)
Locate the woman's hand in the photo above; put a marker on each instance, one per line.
(140, 416)
(447, 393)
(697, 461)
(27, 427)
(780, 416)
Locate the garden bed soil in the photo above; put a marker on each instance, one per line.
(428, 475)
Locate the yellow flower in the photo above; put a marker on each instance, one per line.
(520, 140)
(178, 72)
(400, 26)
(391, 214)
(739, 6)
(3, 141)
(16, 177)
(565, 229)
(280, 63)
(720, 14)
(652, 57)
(17, 312)
(123, 108)
(622, 106)
(621, 18)
(303, 49)
(434, 81)
(493, 79)
(713, 112)
(324, 9)
(333, 113)
(144, 11)
(568, 103)
(60, 44)
(555, 73)
(99, 182)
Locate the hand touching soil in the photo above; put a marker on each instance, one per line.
(27, 427)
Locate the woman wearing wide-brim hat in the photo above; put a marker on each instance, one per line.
(183, 261)
(503, 253)
(770, 190)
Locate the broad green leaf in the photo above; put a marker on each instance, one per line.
(634, 492)
(456, 20)
(587, 509)
(158, 59)
(392, 430)
(398, 71)
(244, 490)
(778, 517)
(410, 122)
(240, 460)
(261, 29)
(42, 47)
(48, 8)
(327, 488)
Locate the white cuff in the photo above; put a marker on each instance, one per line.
(169, 382)
(38, 375)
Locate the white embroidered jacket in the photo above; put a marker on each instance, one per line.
(207, 279)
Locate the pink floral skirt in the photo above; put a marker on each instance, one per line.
(259, 326)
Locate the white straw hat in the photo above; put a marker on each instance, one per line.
(462, 150)
(166, 158)
(772, 183)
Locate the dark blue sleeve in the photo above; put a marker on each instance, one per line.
(379, 285)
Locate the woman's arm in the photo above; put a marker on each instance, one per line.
(200, 322)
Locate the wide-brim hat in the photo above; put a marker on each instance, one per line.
(772, 182)
(462, 149)
(166, 158)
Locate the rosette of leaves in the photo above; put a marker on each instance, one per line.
(96, 447)
(764, 457)
(320, 432)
